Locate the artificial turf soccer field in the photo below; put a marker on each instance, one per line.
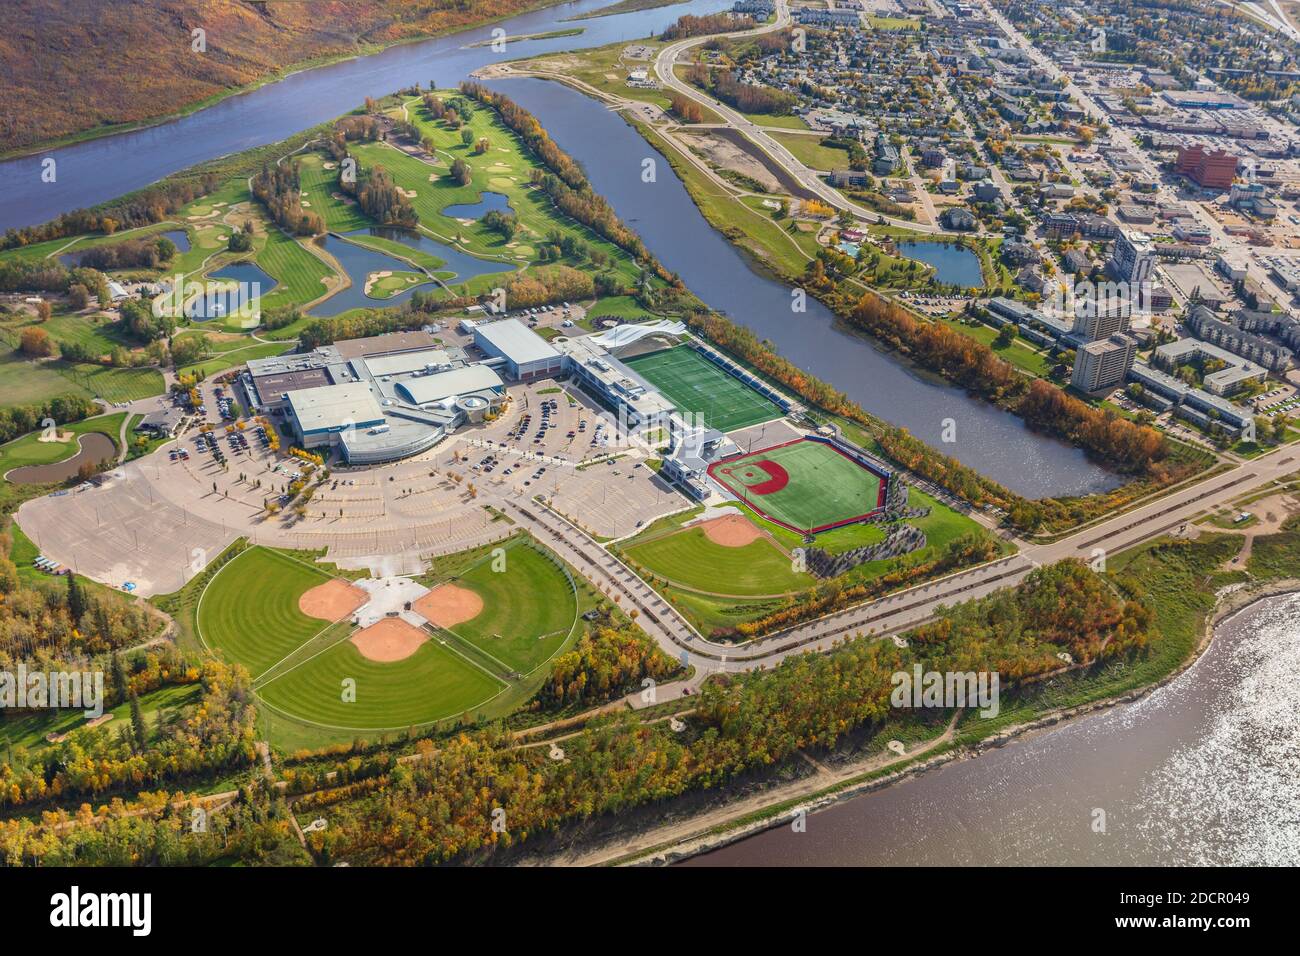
(804, 485)
(695, 385)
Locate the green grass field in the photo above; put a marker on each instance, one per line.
(249, 611)
(299, 274)
(434, 683)
(112, 384)
(695, 385)
(811, 484)
(249, 614)
(690, 559)
(529, 608)
(810, 151)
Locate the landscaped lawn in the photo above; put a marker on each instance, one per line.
(30, 450)
(690, 559)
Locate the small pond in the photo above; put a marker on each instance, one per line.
(250, 282)
(953, 263)
(477, 210)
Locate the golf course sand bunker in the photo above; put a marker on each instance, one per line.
(332, 601)
(448, 605)
(731, 531)
(387, 640)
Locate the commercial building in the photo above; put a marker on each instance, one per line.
(690, 453)
(614, 384)
(323, 413)
(525, 354)
(1208, 168)
(370, 403)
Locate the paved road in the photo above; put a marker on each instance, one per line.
(760, 135)
(900, 610)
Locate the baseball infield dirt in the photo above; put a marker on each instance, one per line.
(388, 639)
(448, 605)
(332, 601)
(731, 531)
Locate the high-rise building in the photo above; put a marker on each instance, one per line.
(1103, 364)
(1133, 259)
(1103, 315)
(1209, 168)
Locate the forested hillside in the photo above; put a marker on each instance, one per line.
(73, 65)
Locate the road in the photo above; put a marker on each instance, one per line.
(900, 610)
(760, 135)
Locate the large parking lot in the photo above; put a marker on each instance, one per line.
(556, 442)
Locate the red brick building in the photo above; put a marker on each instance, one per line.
(1214, 170)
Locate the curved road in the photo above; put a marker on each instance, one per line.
(759, 135)
(900, 610)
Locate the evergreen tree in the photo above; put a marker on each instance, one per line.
(76, 600)
(138, 727)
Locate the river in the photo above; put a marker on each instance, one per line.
(1204, 771)
(984, 437)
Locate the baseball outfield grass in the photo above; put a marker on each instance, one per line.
(529, 606)
(805, 485)
(432, 684)
(690, 559)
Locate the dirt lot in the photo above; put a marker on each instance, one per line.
(727, 155)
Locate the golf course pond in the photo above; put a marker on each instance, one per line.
(92, 447)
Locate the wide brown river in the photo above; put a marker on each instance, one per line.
(1205, 770)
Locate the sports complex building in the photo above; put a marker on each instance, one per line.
(377, 399)
(388, 397)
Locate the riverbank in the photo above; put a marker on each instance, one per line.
(284, 72)
(786, 802)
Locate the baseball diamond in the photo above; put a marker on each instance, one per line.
(806, 485)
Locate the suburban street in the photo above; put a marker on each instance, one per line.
(758, 134)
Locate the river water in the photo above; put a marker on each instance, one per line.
(1204, 771)
(993, 441)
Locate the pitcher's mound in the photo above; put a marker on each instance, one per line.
(731, 531)
(389, 639)
(448, 605)
(332, 601)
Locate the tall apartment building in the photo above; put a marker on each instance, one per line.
(1212, 169)
(1133, 259)
(1103, 364)
(1102, 316)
